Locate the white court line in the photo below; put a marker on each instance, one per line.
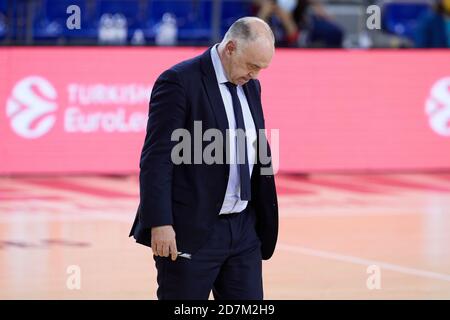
(365, 262)
(65, 217)
(27, 218)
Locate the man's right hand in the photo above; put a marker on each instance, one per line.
(163, 242)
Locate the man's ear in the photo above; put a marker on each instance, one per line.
(230, 47)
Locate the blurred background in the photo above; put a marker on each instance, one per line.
(357, 107)
(296, 23)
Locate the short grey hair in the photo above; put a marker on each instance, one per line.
(241, 30)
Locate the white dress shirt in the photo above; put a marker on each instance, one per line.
(233, 202)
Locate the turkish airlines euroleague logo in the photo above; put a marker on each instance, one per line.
(438, 107)
(31, 107)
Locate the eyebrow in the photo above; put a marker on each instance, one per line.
(255, 65)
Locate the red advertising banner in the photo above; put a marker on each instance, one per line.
(84, 110)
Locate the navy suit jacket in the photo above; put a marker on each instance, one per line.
(190, 196)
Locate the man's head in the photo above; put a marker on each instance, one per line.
(248, 47)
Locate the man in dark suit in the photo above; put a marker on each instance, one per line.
(210, 224)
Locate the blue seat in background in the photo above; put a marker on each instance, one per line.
(193, 18)
(3, 13)
(3, 6)
(50, 20)
(233, 10)
(130, 9)
(401, 18)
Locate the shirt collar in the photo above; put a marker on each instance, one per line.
(218, 67)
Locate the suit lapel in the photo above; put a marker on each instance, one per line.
(213, 92)
(253, 101)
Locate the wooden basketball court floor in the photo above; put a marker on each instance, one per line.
(341, 237)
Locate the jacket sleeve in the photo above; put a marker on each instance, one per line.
(167, 112)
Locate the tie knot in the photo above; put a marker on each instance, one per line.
(231, 86)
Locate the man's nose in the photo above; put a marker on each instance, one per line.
(253, 75)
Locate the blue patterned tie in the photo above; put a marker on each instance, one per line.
(244, 171)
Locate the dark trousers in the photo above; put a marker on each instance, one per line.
(229, 264)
